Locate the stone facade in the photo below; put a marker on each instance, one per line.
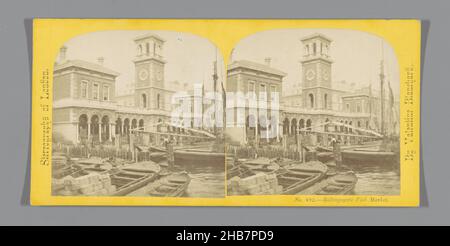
(84, 105)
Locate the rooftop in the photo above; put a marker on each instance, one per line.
(256, 66)
(149, 35)
(316, 35)
(86, 65)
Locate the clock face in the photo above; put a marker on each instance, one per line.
(143, 74)
(325, 74)
(310, 74)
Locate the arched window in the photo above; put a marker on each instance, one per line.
(308, 125)
(126, 126)
(325, 101)
(144, 100)
(141, 124)
(133, 124)
(301, 125)
(139, 50)
(147, 45)
(158, 101)
(95, 128)
(119, 126)
(286, 126)
(83, 127)
(105, 128)
(294, 126)
(311, 100)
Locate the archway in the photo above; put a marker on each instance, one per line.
(83, 127)
(133, 124)
(126, 126)
(294, 126)
(286, 126)
(308, 124)
(105, 128)
(141, 124)
(95, 128)
(119, 126)
(301, 125)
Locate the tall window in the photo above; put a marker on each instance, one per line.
(325, 101)
(273, 89)
(251, 86)
(105, 93)
(263, 92)
(95, 91)
(84, 89)
(158, 101)
(144, 100)
(311, 100)
(251, 90)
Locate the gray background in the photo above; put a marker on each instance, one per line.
(15, 109)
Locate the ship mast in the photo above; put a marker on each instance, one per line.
(382, 97)
(215, 77)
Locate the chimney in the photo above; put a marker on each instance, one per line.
(100, 60)
(267, 61)
(62, 54)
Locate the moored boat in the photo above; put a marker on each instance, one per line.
(301, 176)
(261, 165)
(172, 185)
(340, 184)
(200, 157)
(361, 156)
(134, 176)
(158, 156)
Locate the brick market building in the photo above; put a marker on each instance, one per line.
(85, 108)
(318, 101)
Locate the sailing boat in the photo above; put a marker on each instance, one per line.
(214, 154)
(385, 150)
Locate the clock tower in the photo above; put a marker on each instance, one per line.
(316, 76)
(149, 72)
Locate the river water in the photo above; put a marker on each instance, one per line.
(372, 180)
(377, 180)
(207, 181)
